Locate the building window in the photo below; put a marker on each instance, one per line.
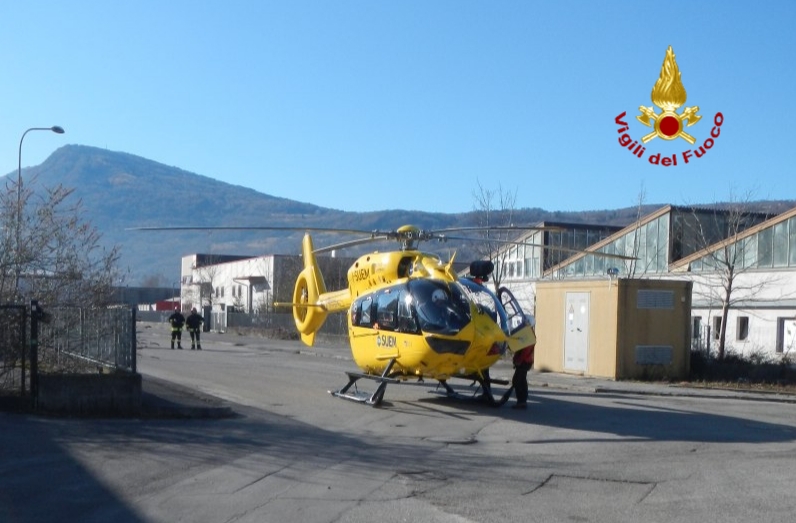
(786, 334)
(742, 331)
(792, 242)
(716, 327)
(781, 244)
(765, 247)
(696, 328)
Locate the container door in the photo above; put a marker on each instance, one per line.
(576, 332)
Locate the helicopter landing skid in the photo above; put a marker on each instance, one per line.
(485, 389)
(372, 399)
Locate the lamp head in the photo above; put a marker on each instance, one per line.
(57, 129)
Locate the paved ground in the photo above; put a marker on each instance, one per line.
(244, 431)
(165, 398)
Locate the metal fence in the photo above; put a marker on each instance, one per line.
(65, 340)
(335, 324)
(14, 363)
(700, 339)
(265, 321)
(222, 321)
(154, 316)
(83, 339)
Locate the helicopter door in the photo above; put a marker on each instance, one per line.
(521, 332)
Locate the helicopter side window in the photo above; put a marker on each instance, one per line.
(387, 309)
(365, 317)
(406, 314)
(356, 312)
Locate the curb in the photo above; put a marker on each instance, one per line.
(674, 391)
(163, 399)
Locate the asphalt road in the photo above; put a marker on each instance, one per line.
(293, 453)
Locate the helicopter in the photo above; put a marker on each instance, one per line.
(410, 315)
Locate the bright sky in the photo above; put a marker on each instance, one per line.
(370, 105)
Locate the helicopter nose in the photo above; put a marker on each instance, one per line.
(448, 346)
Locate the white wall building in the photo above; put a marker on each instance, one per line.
(519, 266)
(248, 284)
(762, 314)
(670, 243)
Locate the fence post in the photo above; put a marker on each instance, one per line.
(35, 314)
(23, 344)
(133, 340)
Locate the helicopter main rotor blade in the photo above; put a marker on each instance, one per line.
(550, 247)
(551, 228)
(250, 228)
(410, 236)
(423, 234)
(351, 243)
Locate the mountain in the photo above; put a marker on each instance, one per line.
(121, 191)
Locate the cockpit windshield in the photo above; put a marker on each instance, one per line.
(427, 305)
(487, 302)
(441, 308)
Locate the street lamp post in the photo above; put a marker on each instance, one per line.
(58, 130)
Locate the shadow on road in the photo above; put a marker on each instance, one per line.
(42, 481)
(628, 416)
(98, 470)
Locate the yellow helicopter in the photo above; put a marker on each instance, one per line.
(410, 315)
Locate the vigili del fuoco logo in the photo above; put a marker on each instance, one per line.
(669, 95)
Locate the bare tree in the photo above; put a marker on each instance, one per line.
(206, 279)
(50, 253)
(262, 294)
(647, 254)
(632, 264)
(719, 272)
(237, 301)
(494, 209)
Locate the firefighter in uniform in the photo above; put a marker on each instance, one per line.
(523, 361)
(176, 320)
(194, 324)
